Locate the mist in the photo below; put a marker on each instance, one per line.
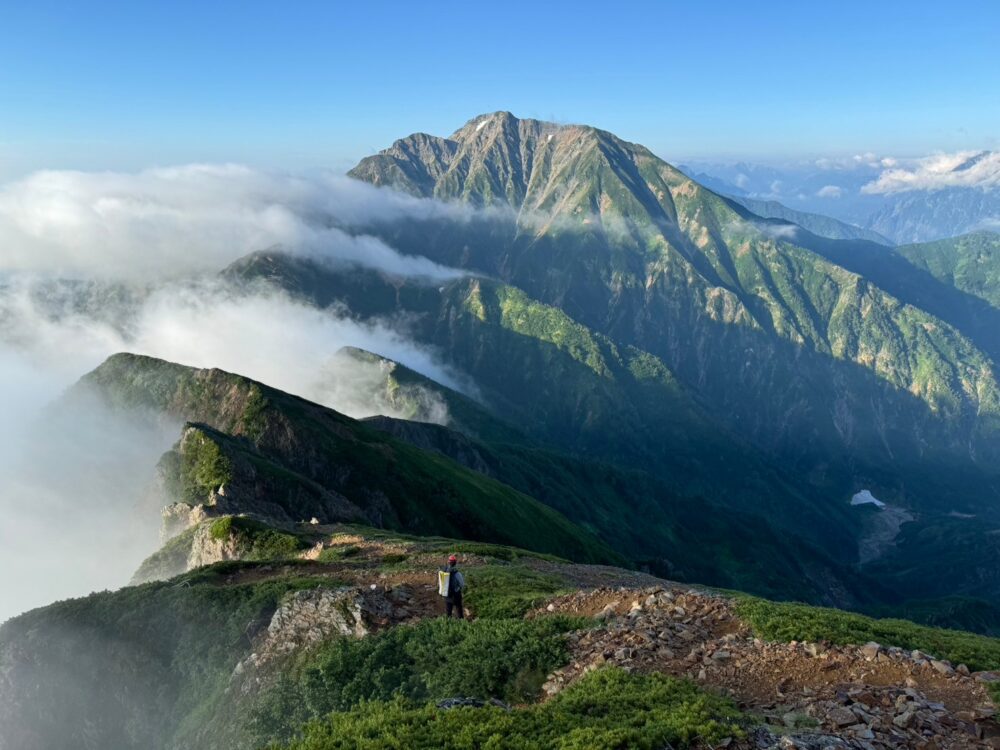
(95, 264)
(170, 222)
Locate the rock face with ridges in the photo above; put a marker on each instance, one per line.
(792, 348)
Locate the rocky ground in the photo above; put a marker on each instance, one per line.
(809, 695)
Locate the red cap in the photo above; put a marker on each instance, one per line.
(452, 559)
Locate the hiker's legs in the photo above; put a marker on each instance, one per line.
(458, 605)
(448, 605)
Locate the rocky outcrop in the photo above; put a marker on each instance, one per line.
(859, 697)
(176, 518)
(305, 619)
(208, 548)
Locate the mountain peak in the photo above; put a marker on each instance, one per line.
(574, 172)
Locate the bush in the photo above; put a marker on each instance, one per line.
(606, 709)
(336, 554)
(508, 591)
(255, 540)
(434, 659)
(776, 621)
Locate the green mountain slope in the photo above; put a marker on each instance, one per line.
(570, 388)
(248, 448)
(418, 398)
(660, 429)
(970, 263)
(687, 538)
(684, 538)
(787, 347)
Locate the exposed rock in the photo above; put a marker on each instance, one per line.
(841, 717)
(306, 618)
(943, 667)
(177, 518)
(450, 703)
(869, 697)
(207, 549)
(871, 650)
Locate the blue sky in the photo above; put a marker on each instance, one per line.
(299, 85)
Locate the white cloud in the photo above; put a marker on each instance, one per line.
(779, 231)
(866, 161)
(829, 191)
(134, 241)
(176, 220)
(969, 169)
(86, 480)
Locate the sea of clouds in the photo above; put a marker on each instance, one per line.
(96, 263)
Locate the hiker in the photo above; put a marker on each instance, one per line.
(451, 582)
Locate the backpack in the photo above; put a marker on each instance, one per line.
(446, 582)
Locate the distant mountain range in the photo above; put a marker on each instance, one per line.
(916, 201)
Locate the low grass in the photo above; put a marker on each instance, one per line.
(778, 621)
(606, 709)
(508, 591)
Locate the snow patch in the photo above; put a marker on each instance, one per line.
(481, 125)
(865, 497)
(549, 138)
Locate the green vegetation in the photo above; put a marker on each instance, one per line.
(785, 338)
(970, 263)
(254, 421)
(432, 660)
(496, 551)
(144, 666)
(314, 456)
(168, 561)
(337, 554)
(203, 467)
(255, 540)
(416, 397)
(777, 621)
(606, 709)
(508, 591)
